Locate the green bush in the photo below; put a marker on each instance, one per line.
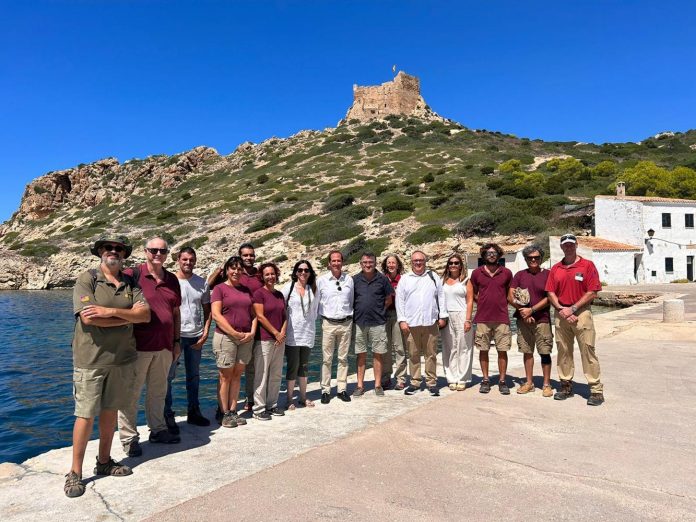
(428, 234)
(397, 203)
(487, 170)
(438, 201)
(262, 178)
(478, 224)
(266, 238)
(11, 236)
(326, 231)
(412, 190)
(354, 250)
(167, 215)
(38, 249)
(269, 219)
(428, 178)
(385, 188)
(351, 214)
(185, 196)
(394, 216)
(455, 185)
(281, 257)
(40, 190)
(338, 202)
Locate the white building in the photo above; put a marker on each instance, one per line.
(513, 259)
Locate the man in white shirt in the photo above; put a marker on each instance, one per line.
(195, 323)
(335, 294)
(420, 311)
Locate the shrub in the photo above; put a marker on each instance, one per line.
(352, 213)
(167, 215)
(438, 201)
(185, 196)
(325, 231)
(385, 188)
(277, 198)
(198, 242)
(428, 178)
(266, 238)
(487, 170)
(412, 190)
(281, 257)
(38, 189)
(338, 202)
(262, 178)
(478, 224)
(394, 216)
(397, 203)
(38, 249)
(455, 185)
(270, 218)
(515, 190)
(353, 250)
(428, 234)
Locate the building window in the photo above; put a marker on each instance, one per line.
(689, 220)
(666, 220)
(669, 265)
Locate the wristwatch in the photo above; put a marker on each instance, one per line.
(573, 308)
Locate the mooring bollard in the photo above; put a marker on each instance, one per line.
(673, 311)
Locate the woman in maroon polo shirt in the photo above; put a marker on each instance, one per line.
(269, 305)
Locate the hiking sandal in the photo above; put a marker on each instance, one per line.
(74, 487)
(112, 468)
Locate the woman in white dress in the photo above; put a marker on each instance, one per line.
(302, 308)
(457, 337)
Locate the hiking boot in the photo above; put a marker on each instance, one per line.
(547, 391)
(434, 392)
(164, 437)
(343, 396)
(278, 412)
(379, 391)
(132, 448)
(263, 416)
(112, 468)
(196, 418)
(596, 399)
(241, 421)
(565, 392)
(527, 387)
(172, 426)
(358, 392)
(485, 387)
(325, 398)
(411, 390)
(228, 420)
(503, 388)
(74, 487)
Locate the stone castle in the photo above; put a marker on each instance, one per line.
(400, 96)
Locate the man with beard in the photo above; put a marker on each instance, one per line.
(251, 278)
(106, 304)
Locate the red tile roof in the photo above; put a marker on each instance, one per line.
(601, 244)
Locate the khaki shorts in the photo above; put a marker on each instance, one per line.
(530, 335)
(374, 335)
(97, 389)
(228, 352)
(499, 332)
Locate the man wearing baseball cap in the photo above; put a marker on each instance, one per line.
(572, 285)
(106, 304)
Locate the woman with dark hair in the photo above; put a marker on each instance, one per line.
(302, 309)
(392, 267)
(235, 326)
(457, 343)
(269, 305)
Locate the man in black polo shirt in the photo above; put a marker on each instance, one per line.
(372, 294)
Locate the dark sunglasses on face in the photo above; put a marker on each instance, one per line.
(113, 248)
(303, 270)
(534, 258)
(453, 263)
(155, 251)
(491, 253)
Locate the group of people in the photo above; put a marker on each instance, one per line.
(133, 325)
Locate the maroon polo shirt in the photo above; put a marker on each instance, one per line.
(492, 305)
(273, 310)
(535, 283)
(253, 283)
(571, 282)
(163, 298)
(236, 306)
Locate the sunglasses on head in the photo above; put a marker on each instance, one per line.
(113, 248)
(155, 251)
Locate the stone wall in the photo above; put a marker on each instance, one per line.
(400, 96)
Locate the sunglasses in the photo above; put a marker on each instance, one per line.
(113, 248)
(303, 270)
(453, 263)
(338, 286)
(491, 253)
(534, 258)
(155, 251)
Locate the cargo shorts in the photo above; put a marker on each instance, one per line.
(97, 389)
(228, 351)
(498, 332)
(374, 335)
(531, 335)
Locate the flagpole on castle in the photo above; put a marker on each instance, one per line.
(394, 69)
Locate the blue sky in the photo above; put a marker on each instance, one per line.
(84, 80)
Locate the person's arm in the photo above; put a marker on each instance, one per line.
(443, 314)
(401, 307)
(279, 336)
(104, 317)
(176, 349)
(221, 322)
(207, 320)
(469, 305)
(213, 277)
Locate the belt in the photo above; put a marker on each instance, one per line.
(338, 321)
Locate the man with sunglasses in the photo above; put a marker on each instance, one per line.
(335, 295)
(572, 286)
(106, 304)
(488, 286)
(527, 295)
(158, 344)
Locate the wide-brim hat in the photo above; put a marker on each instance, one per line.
(121, 240)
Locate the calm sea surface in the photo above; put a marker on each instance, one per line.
(36, 402)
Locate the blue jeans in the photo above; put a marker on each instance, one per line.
(192, 362)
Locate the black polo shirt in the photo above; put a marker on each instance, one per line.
(369, 297)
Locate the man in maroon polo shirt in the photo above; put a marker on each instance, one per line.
(251, 278)
(488, 285)
(157, 345)
(572, 285)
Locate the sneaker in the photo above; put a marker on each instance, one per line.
(596, 399)
(262, 416)
(172, 426)
(452, 386)
(241, 421)
(164, 437)
(547, 391)
(74, 487)
(527, 387)
(228, 420)
(461, 386)
(112, 468)
(410, 390)
(358, 392)
(565, 392)
(503, 388)
(248, 406)
(196, 418)
(485, 387)
(325, 398)
(379, 391)
(434, 392)
(132, 448)
(343, 396)
(278, 412)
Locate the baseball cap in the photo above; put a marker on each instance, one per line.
(568, 238)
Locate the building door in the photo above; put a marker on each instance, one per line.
(690, 268)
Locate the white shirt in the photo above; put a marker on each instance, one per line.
(194, 294)
(335, 303)
(302, 316)
(416, 301)
(455, 296)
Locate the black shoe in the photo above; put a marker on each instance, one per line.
(410, 390)
(196, 418)
(278, 412)
(262, 416)
(485, 387)
(503, 388)
(566, 391)
(132, 448)
(325, 398)
(164, 437)
(387, 384)
(172, 426)
(343, 396)
(595, 399)
(434, 392)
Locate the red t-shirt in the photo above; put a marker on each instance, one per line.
(535, 283)
(163, 298)
(236, 306)
(273, 309)
(571, 282)
(253, 283)
(492, 305)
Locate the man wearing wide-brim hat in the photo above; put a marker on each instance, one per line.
(106, 304)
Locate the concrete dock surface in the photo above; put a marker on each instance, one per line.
(460, 456)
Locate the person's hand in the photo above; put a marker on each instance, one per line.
(572, 319)
(176, 351)
(280, 338)
(530, 320)
(199, 344)
(565, 312)
(467, 325)
(404, 328)
(139, 304)
(97, 312)
(246, 337)
(526, 312)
